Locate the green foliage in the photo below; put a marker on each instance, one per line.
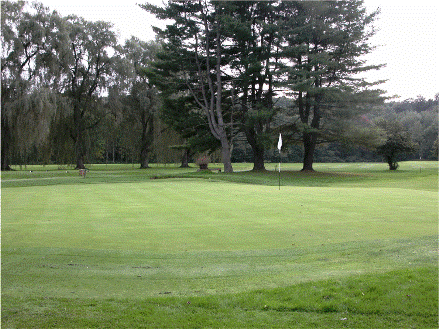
(84, 70)
(56, 69)
(398, 141)
(192, 64)
(182, 115)
(324, 55)
(254, 44)
(419, 120)
(141, 104)
(435, 149)
(27, 38)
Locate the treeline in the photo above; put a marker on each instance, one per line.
(417, 117)
(71, 94)
(226, 78)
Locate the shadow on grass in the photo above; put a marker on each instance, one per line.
(287, 177)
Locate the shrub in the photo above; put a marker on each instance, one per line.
(203, 161)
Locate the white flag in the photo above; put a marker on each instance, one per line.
(279, 143)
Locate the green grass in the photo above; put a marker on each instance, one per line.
(412, 174)
(396, 299)
(353, 245)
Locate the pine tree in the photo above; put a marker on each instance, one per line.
(192, 61)
(254, 37)
(325, 41)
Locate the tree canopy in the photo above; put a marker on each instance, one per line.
(236, 55)
(225, 77)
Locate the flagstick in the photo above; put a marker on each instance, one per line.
(279, 146)
(279, 171)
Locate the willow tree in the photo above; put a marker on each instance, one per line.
(27, 103)
(138, 96)
(81, 67)
(325, 42)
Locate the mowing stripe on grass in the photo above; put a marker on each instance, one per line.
(172, 216)
(96, 252)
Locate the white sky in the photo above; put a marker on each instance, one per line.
(407, 40)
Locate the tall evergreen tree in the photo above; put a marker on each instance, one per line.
(194, 58)
(255, 39)
(182, 114)
(325, 41)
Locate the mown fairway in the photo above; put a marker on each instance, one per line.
(353, 245)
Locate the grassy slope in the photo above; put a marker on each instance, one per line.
(100, 249)
(397, 299)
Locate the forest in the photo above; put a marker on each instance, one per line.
(225, 79)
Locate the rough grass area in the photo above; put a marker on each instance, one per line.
(404, 298)
(350, 246)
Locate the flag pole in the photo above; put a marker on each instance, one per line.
(279, 171)
(279, 146)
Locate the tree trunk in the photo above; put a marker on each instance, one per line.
(309, 145)
(147, 137)
(258, 159)
(185, 158)
(258, 151)
(393, 165)
(211, 100)
(78, 138)
(225, 146)
(79, 151)
(310, 138)
(226, 155)
(5, 144)
(144, 158)
(144, 150)
(80, 162)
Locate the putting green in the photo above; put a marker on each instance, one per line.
(344, 246)
(174, 215)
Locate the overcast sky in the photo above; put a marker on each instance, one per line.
(407, 40)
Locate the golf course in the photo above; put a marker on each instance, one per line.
(351, 245)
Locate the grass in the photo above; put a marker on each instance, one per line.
(412, 174)
(352, 245)
(396, 299)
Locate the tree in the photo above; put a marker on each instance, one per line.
(398, 141)
(419, 118)
(142, 101)
(182, 115)
(324, 44)
(194, 59)
(33, 115)
(26, 40)
(254, 37)
(435, 150)
(81, 69)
